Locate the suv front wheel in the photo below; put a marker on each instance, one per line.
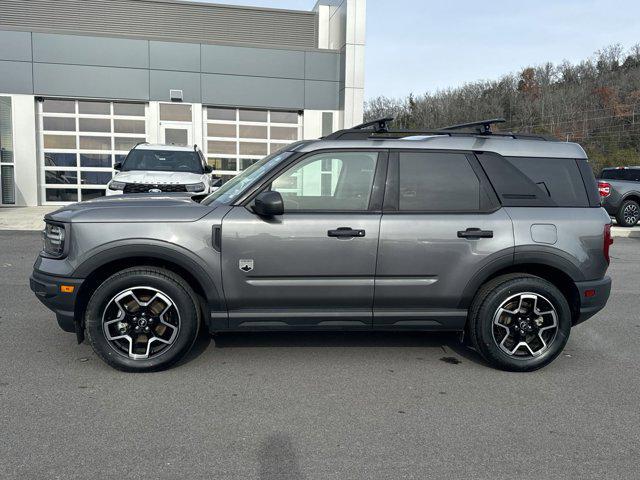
(142, 319)
(519, 322)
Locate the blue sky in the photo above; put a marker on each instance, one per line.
(419, 46)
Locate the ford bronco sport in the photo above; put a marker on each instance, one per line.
(498, 236)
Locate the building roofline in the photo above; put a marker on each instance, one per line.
(229, 6)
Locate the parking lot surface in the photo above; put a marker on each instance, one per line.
(317, 405)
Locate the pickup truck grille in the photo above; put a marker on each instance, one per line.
(145, 187)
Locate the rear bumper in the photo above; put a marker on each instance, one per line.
(48, 290)
(593, 297)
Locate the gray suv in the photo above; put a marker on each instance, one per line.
(498, 236)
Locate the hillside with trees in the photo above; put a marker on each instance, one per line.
(595, 103)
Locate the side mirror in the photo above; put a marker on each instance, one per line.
(117, 166)
(268, 204)
(208, 169)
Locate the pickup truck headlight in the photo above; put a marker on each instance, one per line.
(53, 239)
(195, 187)
(116, 185)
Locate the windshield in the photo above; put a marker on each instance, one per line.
(234, 187)
(163, 160)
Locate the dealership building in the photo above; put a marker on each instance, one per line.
(83, 81)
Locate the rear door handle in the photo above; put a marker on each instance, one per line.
(475, 233)
(343, 232)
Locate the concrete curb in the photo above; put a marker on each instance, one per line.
(623, 232)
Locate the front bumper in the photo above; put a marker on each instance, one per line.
(593, 297)
(48, 289)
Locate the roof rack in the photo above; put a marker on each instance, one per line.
(381, 131)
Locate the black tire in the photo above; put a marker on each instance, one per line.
(629, 213)
(168, 284)
(491, 297)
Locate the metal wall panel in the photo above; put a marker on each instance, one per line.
(83, 50)
(161, 81)
(98, 82)
(253, 61)
(15, 77)
(174, 56)
(15, 45)
(319, 95)
(240, 91)
(165, 20)
(322, 66)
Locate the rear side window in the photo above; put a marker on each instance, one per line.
(559, 178)
(437, 182)
(630, 174)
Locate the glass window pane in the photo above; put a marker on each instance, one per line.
(221, 113)
(61, 124)
(329, 182)
(284, 117)
(247, 148)
(88, 194)
(438, 182)
(59, 106)
(126, 144)
(119, 158)
(94, 125)
(95, 160)
(94, 108)
(221, 147)
(223, 163)
(95, 178)
(60, 141)
(95, 143)
(175, 112)
(253, 115)
(253, 131)
(61, 176)
(274, 147)
(221, 130)
(7, 185)
(6, 130)
(284, 133)
(247, 162)
(60, 159)
(129, 109)
(61, 195)
(129, 126)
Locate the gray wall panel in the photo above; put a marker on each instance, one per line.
(320, 95)
(83, 81)
(252, 91)
(15, 45)
(253, 61)
(174, 56)
(322, 66)
(162, 81)
(80, 50)
(15, 77)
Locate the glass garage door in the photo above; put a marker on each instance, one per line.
(79, 143)
(236, 138)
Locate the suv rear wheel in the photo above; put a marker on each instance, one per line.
(519, 322)
(629, 213)
(142, 319)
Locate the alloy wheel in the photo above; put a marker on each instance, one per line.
(631, 213)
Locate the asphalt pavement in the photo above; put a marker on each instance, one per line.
(317, 405)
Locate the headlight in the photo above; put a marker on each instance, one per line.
(116, 185)
(53, 238)
(195, 187)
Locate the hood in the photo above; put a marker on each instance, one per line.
(160, 178)
(166, 207)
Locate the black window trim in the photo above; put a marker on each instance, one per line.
(377, 189)
(391, 203)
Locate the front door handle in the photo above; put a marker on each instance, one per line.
(475, 233)
(343, 232)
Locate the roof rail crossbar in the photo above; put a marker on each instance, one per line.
(482, 126)
(381, 125)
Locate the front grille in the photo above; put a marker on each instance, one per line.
(145, 187)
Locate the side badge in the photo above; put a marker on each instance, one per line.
(245, 264)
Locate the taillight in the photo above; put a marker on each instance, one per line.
(608, 241)
(604, 189)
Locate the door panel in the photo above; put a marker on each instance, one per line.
(294, 273)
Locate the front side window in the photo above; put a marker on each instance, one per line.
(330, 181)
(163, 160)
(437, 182)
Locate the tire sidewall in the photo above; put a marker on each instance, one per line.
(184, 302)
(493, 301)
(620, 217)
